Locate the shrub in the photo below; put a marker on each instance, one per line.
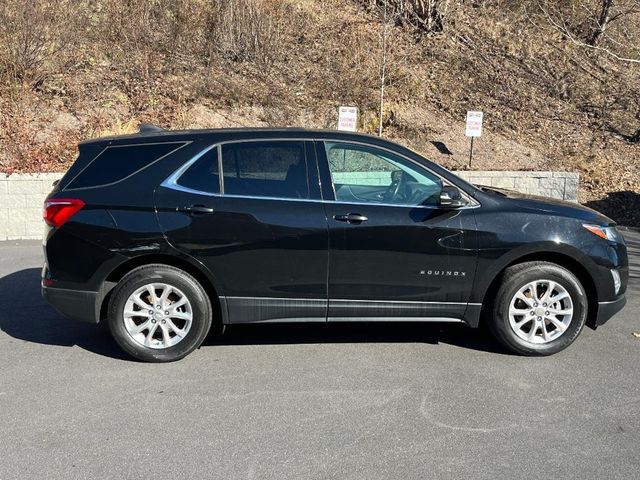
(242, 30)
(31, 35)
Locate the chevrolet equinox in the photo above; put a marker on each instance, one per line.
(163, 234)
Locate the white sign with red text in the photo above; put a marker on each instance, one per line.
(474, 124)
(348, 118)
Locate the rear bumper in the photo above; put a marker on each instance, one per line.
(606, 310)
(75, 304)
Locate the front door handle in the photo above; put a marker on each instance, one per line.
(351, 218)
(196, 209)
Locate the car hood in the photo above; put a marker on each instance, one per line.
(550, 205)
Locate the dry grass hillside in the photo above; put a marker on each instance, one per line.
(553, 97)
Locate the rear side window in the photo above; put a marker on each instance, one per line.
(265, 169)
(117, 162)
(202, 176)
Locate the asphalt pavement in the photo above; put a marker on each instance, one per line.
(363, 401)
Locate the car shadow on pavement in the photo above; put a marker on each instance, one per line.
(357, 332)
(27, 316)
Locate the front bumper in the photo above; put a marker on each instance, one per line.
(76, 304)
(606, 310)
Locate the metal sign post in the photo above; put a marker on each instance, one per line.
(474, 129)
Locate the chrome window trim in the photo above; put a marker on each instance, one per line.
(171, 181)
(311, 200)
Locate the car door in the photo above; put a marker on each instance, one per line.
(394, 253)
(259, 228)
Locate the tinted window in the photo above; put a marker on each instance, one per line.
(367, 174)
(203, 174)
(265, 169)
(118, 162)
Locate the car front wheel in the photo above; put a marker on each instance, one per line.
(539, 309)
(159, 313)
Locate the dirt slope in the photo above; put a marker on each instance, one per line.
(104, 66)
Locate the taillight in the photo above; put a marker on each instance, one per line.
(58, 210)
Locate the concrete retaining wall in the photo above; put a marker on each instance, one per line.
(562, 185)
(362, 178)
(21, 195)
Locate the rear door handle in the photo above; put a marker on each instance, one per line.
(351, 218)
(196, 209)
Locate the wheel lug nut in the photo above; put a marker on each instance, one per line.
(532, 312)
(546, 313)
(164, 321)
(544, 304)
(158, 307)
(539, 318)
(153, 321)
(150, 312)
(167, 312)
(535, 304)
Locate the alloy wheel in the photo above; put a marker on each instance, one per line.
(541, 311)
(158, 315)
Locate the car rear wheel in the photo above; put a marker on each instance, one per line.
(539, 309)
(159, 313)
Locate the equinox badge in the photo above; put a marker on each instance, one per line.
(443, 273)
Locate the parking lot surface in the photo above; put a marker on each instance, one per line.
(312, 401)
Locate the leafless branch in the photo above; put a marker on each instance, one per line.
(562, 28)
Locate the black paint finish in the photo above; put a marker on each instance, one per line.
(254, 247)
(304, 258)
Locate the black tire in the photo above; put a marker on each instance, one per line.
(197, 296)
(515, 278)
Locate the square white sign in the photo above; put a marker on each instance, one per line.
(348, 118)
(474, 124)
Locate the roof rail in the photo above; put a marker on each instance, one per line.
(149, 128)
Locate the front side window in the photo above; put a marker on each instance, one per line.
(366, 174)
(265, 169)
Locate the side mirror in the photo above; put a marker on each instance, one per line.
(450, 197)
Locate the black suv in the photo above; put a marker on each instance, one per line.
(163, 234)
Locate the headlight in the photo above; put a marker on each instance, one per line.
(608, 233)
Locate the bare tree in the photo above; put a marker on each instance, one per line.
(603, 21)
(610, 28)
(383, 62)
(599, 18)
(241, 30)
(425, 16)
(610, 11)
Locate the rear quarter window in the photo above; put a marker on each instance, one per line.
(117, 162)
(202, 176)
